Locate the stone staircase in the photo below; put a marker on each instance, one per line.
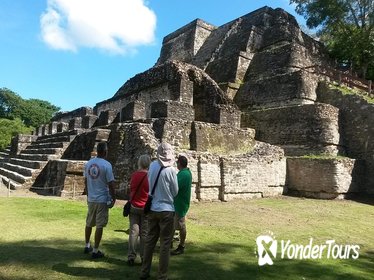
(4, 154)
(20, 171)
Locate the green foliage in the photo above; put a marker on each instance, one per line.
(10, 128)
(347, 29)
(33, 112)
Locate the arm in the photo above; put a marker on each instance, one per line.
(112, 185)
(85, 191)
(174, 184)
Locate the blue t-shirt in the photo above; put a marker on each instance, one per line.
(98, 172)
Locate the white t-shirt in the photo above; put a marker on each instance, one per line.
(98, 172)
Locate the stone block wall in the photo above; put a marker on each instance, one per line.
(84, 144)
(88, 121)
(254, 176)
(300, 130)
(174, 131)
(133, 111)
(227, 115)
(20, 142)
(62, 127)
(66, 116)
(324, 177)
(75, 123)
(173, 110)
(293, 88)
(185, 42)
(357, 119)
(221, 139)
(61, 178)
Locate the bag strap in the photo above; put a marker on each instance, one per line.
(137, 190)
(155, 184)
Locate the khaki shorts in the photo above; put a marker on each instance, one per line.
(97, 215)
(179, 223)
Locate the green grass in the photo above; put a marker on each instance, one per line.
(43, 239)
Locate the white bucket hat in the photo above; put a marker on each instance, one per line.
(165, 154)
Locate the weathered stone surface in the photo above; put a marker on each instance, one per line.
(300, 130)
(133, 111)
(173, 110)
(62, 178)
(52, 127)
(173, 81)
(62, 127)
(184, 43)
(357, 129)
(83, 145)
(20, 142)
(221, 139)
(263, 171)
(324, 177)
(177, 132)
(75, 123)
(66, 116)
(106, 118)
(209, 85)
(88, 121)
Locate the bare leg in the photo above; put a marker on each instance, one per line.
(98, 235)
(88, 231)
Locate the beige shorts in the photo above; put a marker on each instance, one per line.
(179, 223)
(97, 215)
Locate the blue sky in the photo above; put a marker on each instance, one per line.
(76, 53)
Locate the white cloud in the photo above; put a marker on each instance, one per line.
(117, 26)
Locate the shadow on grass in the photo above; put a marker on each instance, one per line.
(64, 259)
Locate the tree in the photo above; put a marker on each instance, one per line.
(10, 128)
(347, 29)
(32, 112)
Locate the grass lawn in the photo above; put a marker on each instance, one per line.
(43, 239)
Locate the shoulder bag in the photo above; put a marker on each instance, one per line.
(148, 204)
(127, 206)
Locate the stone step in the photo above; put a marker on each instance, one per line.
(47, 145)
(45, 151)
(63, 138)
(34, 164)
(38, 157)
(48, 138)
(4, 154)
(18, 178)
(13, 185)
(25, 171)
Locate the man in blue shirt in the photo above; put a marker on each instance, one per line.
(99, 182)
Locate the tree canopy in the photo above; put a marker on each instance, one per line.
(347, 29)
(32, 112)
(9, 129)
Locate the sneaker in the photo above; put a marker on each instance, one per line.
(178, 251)
(97, 255)
(87, 250)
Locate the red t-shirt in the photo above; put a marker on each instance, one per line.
(139, 197)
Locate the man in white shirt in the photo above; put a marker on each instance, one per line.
(161, 216)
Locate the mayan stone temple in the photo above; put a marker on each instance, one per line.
(245, 101)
